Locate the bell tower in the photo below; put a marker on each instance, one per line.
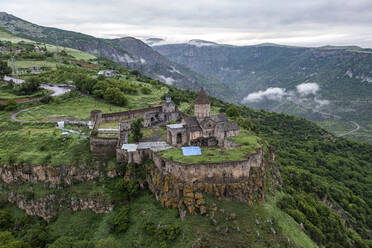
(202, 105)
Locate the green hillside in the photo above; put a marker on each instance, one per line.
(318, 169)
(317, 195)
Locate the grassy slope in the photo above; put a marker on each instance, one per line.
(85, 224)
(76, 54)
(80, 107)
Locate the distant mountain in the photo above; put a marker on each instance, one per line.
(127, 51)
(155, 41)
(267, 76)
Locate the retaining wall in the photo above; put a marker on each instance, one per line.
(102, 146)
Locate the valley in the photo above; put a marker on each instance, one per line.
(305, 186)
(266, 76)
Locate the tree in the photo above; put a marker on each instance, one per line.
(128, 188)
(114, 95)
(11, 105)
(136, 129)
(4, 69)
(121, 220)
(232, 111)
(29, 87)
(63, 242)
(5, 220)
(8, 241)
(107, 242)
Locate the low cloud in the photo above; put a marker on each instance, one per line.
(305, 89)
(305, 93)
(321, 102)
(274, 94)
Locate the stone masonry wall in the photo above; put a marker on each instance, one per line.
(188, 196)
(102, 146)
(182, 186)
(130, 114)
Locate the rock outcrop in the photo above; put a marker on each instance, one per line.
(17, 174)
(49, 206)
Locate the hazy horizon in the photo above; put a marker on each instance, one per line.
(293, 23)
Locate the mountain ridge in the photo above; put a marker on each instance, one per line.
(128, 51)
(271, 74)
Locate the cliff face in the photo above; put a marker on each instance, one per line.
(183, 186)
(49, 206)
(17, 174)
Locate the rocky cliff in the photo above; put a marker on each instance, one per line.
(49, 206)
(22, 173)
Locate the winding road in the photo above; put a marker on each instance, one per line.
(352, 131)
(57, 91)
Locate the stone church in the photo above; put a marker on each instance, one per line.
(202, 129)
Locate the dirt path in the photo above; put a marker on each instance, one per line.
(352, 131)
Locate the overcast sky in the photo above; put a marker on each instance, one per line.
(239, 22)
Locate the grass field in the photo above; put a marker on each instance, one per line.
(6, 93)
(30, 63)
(214, 155)
(77, 108)
(41, 145)
(7, 36)
(80, 107)
(109, 125)
(77, 54)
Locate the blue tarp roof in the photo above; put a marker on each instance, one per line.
(191, 150)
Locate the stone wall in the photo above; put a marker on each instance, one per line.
(223, 172)
(102, 146)
(130, 114)
(182, 186)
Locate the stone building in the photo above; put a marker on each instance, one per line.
(202, 129)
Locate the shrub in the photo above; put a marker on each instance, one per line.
(162, 232)
(136, 129)
(46, 99)
(29, 87)
(107, 243)
(4, 69)
(146, 91)
(232, 111)
(11, 105)
(94, 133)
(128, 188)
(5, 220)
(115, 96)
(121, 220)
(8, 241)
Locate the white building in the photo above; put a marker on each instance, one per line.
(107, 73)
(15, 80)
